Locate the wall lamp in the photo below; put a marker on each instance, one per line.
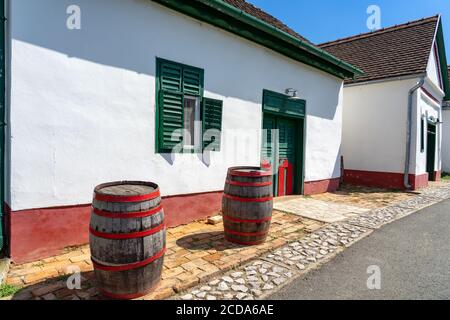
(292, 93)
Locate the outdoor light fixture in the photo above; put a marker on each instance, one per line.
(292, 92)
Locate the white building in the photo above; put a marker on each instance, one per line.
(392, 118)
(97, 91)
(446, 134)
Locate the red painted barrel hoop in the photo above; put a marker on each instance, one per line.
(246, 234)
(247, 199)
(127, 215)
(249, 184)
(246, 220)
(130, 266)
(234, 172)
(121, 199)
(122, 236)
(245, 243)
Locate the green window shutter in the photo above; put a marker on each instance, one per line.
(171, 76)
(170, 119)
(212, 120)
(193, 81)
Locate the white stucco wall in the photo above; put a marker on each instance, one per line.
(374, 126)
(433, 70)
(446, 140)
(83, 101)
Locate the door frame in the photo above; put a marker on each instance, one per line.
(431, 175)
(283, 110)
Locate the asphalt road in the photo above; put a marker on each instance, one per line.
(413, 255)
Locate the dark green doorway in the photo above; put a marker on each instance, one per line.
(431, 151)
(283, 122)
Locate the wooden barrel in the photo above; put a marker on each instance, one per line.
(127, 238)
(247, 205)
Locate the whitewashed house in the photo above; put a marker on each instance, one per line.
(101, 91)
(446, 134)
(392, 118)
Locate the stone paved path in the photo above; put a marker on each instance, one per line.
(325, 211)
(273, 270)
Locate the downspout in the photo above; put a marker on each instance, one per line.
(408, 132)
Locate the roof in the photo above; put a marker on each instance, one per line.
(396, 51)
(264, 16)
(247, 21)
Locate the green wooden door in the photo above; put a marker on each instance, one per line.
(431, 151)
(287, 154)
(279, 149)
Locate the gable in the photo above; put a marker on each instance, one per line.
(433, 68)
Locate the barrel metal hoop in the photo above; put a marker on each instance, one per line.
(246, 234)
(125, 199)
(130, 266)
(245, 243)
(246, 220)
(248, 199)
(127, 215)
(123, 236)
(249, 184)
(249, 174)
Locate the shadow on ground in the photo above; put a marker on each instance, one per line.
(207, 241)
(58, 289)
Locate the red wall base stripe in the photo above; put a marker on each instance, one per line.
(386, 180)
(322, 186)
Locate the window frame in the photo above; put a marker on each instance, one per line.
(200, 96)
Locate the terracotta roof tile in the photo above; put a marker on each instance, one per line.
(264, 16)
(391, 52)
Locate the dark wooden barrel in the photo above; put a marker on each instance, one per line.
(127, 238)
(247, 205)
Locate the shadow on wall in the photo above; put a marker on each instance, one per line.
(121, 34)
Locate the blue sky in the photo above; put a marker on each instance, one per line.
(324, 20)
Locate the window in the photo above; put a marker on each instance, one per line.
(186, 120)
(192, 123)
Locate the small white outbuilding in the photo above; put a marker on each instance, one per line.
(446, 134)
(392, 118)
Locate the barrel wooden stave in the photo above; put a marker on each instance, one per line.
(138, 280)
(234, 210)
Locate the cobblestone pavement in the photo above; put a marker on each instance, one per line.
(273, 270)
(197, 253)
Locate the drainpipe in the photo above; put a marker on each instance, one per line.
(408, 132)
